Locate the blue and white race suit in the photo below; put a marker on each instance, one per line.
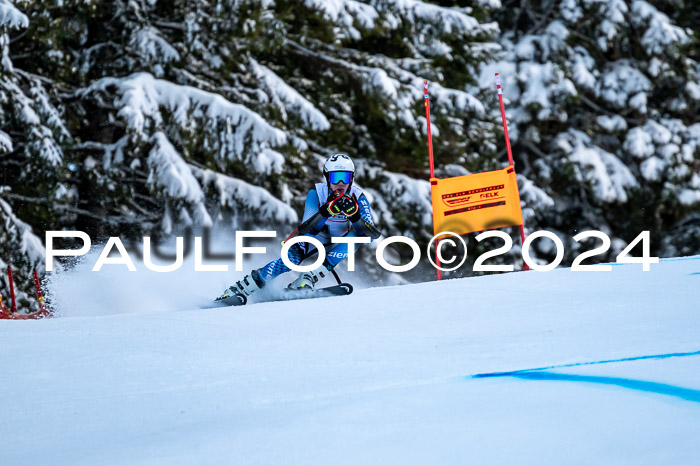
(324, 230)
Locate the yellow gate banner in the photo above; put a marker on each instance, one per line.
(482, 201)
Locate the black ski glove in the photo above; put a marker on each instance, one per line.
(331, 207)
(349, 207)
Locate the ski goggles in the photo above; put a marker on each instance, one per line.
(337, 177)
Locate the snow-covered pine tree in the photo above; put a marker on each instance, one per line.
(604, 98)
(31, 133)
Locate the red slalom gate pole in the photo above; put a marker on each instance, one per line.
(426, 97)
(503, 117)
(510, 153)
(12, 289)
(430, 137)
(38, 288)
(43, 312)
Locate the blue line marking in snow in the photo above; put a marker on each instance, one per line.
(635, 358)
(643, 385)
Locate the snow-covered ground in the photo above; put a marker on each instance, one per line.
(437, 373)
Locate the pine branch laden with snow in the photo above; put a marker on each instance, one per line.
(11, 17)
(607, 174)
(534, 199)
(660, 35)
(665, 151)
(5, 142)
(287, 100)
(247, 201)
(624, 86)
(346, 14)
(230, 131)
(41, 122)
(398, 201)
(152, 47)
(446, 20)
(171, 174)
(20, 241)
(354, 18)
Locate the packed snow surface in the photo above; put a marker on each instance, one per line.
(554, 368)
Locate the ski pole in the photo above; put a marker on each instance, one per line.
(290, 235)
(305, 227)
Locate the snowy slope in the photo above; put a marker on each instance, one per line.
(384, 376)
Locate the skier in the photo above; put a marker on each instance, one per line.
(333, 209)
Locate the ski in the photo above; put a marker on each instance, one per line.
(234, 300)
(287, 295)
(341, 289)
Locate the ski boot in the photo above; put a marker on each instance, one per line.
(307, 280)
(243, 288)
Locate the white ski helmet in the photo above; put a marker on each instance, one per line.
(339, 162)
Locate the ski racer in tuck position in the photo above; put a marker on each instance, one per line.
(334, 208)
